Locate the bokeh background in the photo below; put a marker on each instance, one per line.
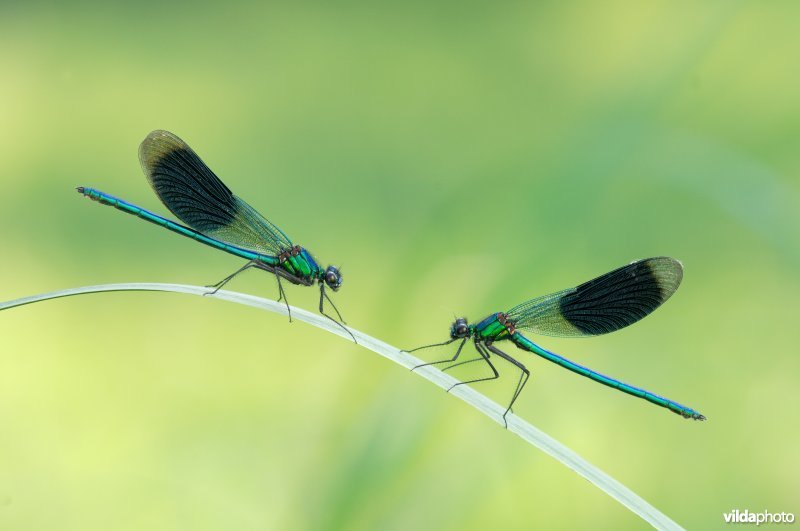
(455, 159)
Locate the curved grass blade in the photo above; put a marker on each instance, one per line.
(191, 191)
(607, 303)
(493, 410)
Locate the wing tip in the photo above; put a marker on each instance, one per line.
(157, 144)
(667, 272)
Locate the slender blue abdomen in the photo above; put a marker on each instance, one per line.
(526, 344)
(146, 215)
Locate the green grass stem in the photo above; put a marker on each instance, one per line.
(491, 409)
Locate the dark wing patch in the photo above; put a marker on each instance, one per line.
(183, 182)
(607, 303)
(191, 191)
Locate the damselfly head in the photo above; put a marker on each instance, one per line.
(333, 278)
(459, 329)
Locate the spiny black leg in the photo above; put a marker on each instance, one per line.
(479, 358)
(485, 356)
(278, 272)
(322, 297)
(523, 377)
(429, 346)
(335, 309)
(282, 294)
(454, 358)
(218, 285)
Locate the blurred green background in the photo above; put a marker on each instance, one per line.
(455, 159)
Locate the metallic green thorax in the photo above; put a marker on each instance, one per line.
(493, 328)
(299, 262)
